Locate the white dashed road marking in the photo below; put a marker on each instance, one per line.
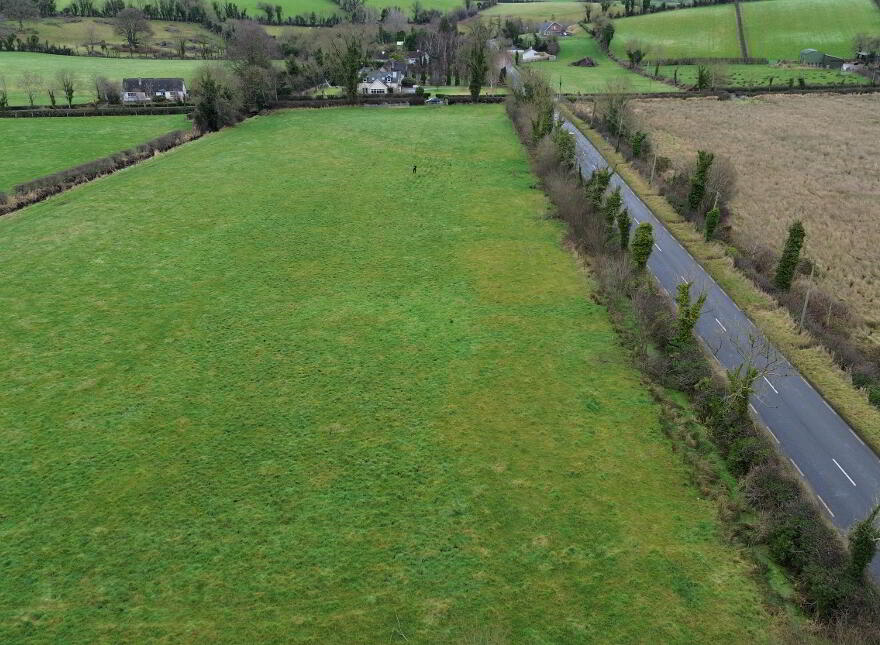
(771, 385)
(798, 468)
(720, 325)
(845, 474)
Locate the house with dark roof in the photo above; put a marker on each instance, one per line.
(380, 82)
(142, 90)
(551, 28)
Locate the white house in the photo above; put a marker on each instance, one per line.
(530, 55)
(381, 82)
(142, 90)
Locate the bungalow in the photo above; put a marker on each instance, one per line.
(380, 82)
(141, 90)
(552, 28)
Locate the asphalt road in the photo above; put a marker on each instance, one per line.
(842, 472)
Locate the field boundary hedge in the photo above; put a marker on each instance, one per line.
(803, 351)
(26, 113)
(739, 91)
(36, 190)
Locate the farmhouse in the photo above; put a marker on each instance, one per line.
(380, 82)
(140, 90)
(551, 28)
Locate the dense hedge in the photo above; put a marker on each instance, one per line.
(24, 113)
(39, 189)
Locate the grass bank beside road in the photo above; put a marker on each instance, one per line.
(274, 386)
(803, 351)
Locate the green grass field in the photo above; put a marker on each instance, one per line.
(564, 12)
(587, 80)
(36, 147)
(700, 32)
(759, 75)
(780, 29)
(13, 64)
(274, 387)
(73, 32)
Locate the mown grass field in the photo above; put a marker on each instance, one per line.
(274, 387)
(36, 147)
(746, 76)
(699, 32)
(587, 80)
(780, 29)
(13, 64)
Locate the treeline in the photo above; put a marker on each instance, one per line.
(210, 16)
(766, 508)
(13, 43)
(831, 321)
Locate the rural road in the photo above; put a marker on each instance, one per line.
(842, 472)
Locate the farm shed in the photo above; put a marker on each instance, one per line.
(820, 59)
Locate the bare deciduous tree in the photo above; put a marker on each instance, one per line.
(19, 10)
(132, 25)
(31, 83)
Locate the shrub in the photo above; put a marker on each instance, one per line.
(642, 245)
(790, 257)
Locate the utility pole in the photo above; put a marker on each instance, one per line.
(653, 168)
(807, 297)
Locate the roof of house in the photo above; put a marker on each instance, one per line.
(544, 26)
(383, 76)
(153, 85)
(396, 66)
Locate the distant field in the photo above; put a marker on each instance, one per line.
(12, 64)
(36, 147)
(775, 29)
(73, 32)
(592, 79)
(760, 75)
(780, 29)
(699, 32)
(807, 157)
(565, 12)
(274, 387)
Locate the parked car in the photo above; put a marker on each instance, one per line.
(435, 101)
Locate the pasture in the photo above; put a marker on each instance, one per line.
(586, 80)
(36, 147)
(831, 182)
(273, 386)
(780, 29)
(75, 32)
(747, 76)
(567, 13)
(700, 32)
(13, 64)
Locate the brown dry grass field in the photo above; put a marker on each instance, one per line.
(808, 157)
